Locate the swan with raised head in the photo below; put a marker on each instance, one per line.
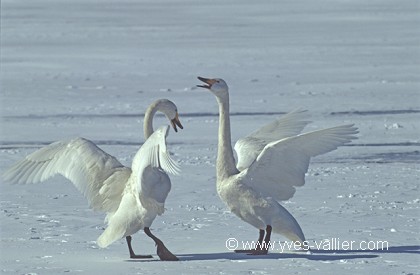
(272, 161)
(131, 197)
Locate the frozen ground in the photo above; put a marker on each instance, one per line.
(89, 68)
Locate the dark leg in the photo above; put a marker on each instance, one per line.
(258, 246)
(266, 244)
(130, 249)
(163, 253)
(267, 237)
(260, 240)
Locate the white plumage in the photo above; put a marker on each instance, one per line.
(249, 147)
(98, 176)
(272, 161)
(282, 164)
(145, 192)
(131, 197)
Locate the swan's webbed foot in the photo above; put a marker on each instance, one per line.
(262, 245)
(137, 256)
(163, 253)
(258, 252)
(253, 251)
(244, 250)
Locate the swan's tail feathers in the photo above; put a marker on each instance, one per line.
(287, 226)
(120, 222)
(110, 235)
(296, 237)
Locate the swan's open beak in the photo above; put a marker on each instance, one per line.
(208, 81)
(175, 122)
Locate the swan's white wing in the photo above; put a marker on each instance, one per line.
(249, 147)
(282, 164)
(100, 177)
(155, 187)
(152, 162)
(154, 153)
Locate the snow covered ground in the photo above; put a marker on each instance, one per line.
(90, 68)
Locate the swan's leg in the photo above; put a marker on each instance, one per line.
(266, 244)
(257, 246)
(163, 253)
(260, 240)
(267, 238)
(132, 254)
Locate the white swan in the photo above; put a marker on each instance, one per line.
(131, 197)
(271, 162)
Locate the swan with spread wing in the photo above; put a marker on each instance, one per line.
(272, 161)
(131, 197)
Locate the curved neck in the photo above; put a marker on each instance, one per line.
(225, 160)
(148, 120)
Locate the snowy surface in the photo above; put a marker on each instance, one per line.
(90, 68)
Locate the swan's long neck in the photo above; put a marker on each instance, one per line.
(225, 160)
(148, 120)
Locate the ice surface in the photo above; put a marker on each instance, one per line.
(90, 68)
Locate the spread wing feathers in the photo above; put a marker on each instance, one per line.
(282, 164)
(154, 153)
(248, 148)
(98, 176)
